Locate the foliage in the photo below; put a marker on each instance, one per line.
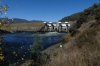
(3, 62)
(66, 39)
(13, 54)
(84, 50)
(38, 57)
(72, 17)
(88, 14)
(74, 33)
(87, 36)
(4, 21)
(55, 53)
(97, 17)
(80, 21)
(4, 9)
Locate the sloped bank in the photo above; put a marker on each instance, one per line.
(4, 32)
(82, 50)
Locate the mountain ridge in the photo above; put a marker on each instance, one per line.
(19, 20)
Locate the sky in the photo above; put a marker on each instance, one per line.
(45, 10)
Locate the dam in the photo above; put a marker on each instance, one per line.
(45, 27)
(55, 27)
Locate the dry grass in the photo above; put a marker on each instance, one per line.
(82, 50)
(66, 38)
(24, 24)
(26, 63)
(36, 26)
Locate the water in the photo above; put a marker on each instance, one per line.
(20, 42)
(48, 39)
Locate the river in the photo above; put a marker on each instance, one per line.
(20, 43)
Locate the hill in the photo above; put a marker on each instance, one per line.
(80, 47)
(84, 16)
(18, 20)
(35, 26)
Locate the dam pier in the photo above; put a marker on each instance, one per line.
(55, 26)
(36, 27)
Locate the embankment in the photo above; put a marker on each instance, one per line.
(82, 50)
(34, 27)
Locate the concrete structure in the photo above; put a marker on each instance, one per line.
(47, 27)
(56, 26)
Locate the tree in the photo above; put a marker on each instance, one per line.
(97, 17)
(4, 9)
(9, 52)
(3, 62)
(38, 57)
(36, 51)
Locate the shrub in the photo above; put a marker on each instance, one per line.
(97, 17)
(75, 32)
(55, 53)
(80, 21)
(66, 39)
(38, 57)
(3, 62)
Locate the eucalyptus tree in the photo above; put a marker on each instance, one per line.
(9, 52)
(3, 10)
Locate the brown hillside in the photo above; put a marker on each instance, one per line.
(82, 50)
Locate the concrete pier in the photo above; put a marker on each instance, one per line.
(56, 26)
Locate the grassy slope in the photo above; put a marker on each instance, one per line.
(82, 50)
(35, 25)
(25, 24)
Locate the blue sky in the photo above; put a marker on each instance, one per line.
(46, 10)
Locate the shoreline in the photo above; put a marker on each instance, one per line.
(48, 49)
(4, 32)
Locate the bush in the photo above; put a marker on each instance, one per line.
(75, 32)
(97, 17)
(80, 21)
(55, 53)
(66, 39)
(36, 51)
(3, 62)
(38, 57)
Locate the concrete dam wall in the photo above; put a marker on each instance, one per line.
(46, 27)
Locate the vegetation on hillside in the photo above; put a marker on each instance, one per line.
(72, 17)
(37, 56)
(84, 49)
(97, 17)
(24, 24)
(10, 55)
(81, 47)
(88, 14)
